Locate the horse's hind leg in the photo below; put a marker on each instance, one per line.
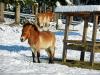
(52, 52)
(51, 55)
(38, 56)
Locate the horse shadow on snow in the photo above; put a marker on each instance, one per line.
(14, 48)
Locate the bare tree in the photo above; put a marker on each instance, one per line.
(17, 13)
(1, 12)
(69, 2)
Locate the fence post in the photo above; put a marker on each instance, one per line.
(64, 55)
(84, 37)
(95, 23)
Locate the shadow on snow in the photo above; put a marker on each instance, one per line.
(14, 48)
(70, 33)
(17, 48)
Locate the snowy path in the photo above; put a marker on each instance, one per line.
(15, 63)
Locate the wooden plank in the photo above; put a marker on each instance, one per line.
(97, 44)
(97, 49)
(90, 43)
(84, 37)
(95, 23)
(78, 14)
(78, 48)
(73, 41)
(64, 55)
(80, 42)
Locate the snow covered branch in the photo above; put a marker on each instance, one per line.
(69, 2)
(58, 3)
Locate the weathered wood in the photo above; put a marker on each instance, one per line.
(79, 47)
(87, 47)
(97, 49)
(84, 37)
(95, 19)
(82, 45)
(78, 14)
(80, 42)
(97, 44)
(73, 41)
(65, 38)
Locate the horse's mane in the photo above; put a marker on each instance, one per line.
(33, 26)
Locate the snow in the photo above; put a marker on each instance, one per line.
(16, 57)
(79, 8)
(68, 2)
(58, 3)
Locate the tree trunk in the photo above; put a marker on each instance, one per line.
(17, 14)
(1, 12)
(33, 9)
(36, 8)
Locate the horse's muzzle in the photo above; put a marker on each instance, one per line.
(22, 39)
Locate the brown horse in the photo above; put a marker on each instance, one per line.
(39, 40)
(44, 19)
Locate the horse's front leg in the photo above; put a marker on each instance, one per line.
(33, 55)
(36, 56)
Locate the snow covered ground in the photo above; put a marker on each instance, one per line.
(15, 56)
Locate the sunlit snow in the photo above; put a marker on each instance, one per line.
(16, 57)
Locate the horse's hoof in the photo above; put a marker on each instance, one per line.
(34, 61)
(51, 62)
(39, 62)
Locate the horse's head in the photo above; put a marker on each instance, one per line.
(26, 32)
